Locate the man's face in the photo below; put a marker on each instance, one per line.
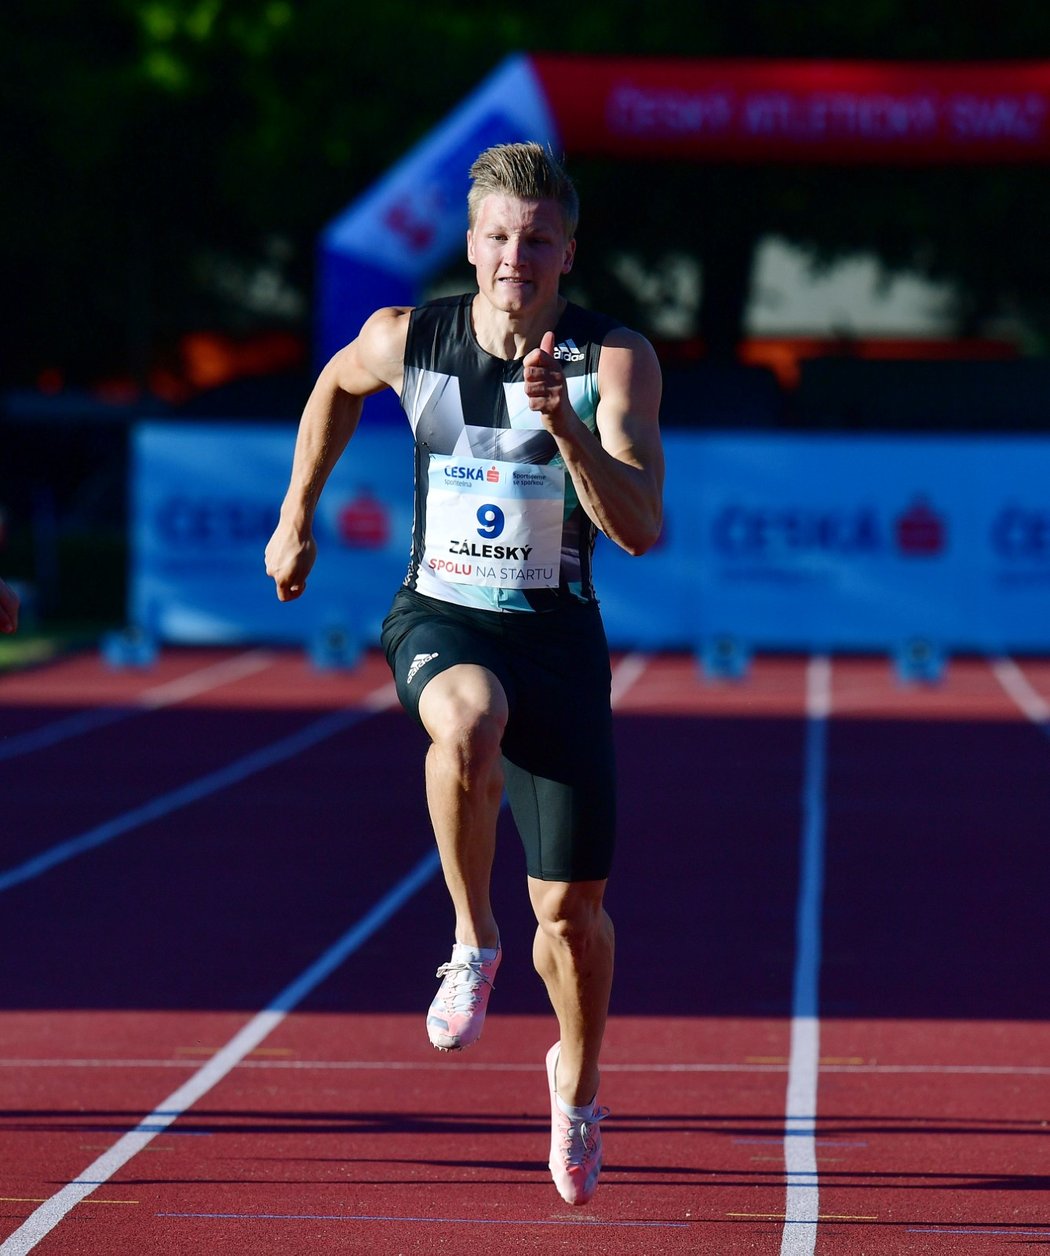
(519, 251)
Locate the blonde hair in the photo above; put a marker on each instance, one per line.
(527, 172)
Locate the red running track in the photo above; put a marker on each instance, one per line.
(829, 895)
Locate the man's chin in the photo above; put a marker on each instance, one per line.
(513, 300)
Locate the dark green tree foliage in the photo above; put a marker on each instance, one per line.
(170, 162)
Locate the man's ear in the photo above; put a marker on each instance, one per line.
(570, 253)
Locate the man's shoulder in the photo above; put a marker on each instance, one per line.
(604, 330)
(595, 325)
(380, 344)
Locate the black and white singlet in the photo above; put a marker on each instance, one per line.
(497, 523)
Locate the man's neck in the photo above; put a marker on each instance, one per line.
(512, 336)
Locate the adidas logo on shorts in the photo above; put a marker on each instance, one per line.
(421, 660)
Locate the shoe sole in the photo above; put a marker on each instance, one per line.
(455, 1046)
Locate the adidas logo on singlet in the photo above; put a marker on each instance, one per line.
(419, 661)
(568, 351)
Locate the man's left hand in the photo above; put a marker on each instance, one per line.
(545, 384)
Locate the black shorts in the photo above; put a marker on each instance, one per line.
(559, 767)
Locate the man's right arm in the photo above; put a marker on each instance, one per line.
(372, 362)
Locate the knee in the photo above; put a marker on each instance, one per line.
(468, 739)
(464, 711)
(572, 915)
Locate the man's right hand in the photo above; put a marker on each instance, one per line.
(289, 559)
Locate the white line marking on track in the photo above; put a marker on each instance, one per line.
(933, 1070)
(225, 672)
(627, 673)
(1018, 686)
(169, 694)
(204, 786)
(49, 1214)
(491, 1066)
(800, 1156)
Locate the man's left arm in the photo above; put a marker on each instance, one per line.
(619, 477)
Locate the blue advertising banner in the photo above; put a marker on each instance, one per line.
(205, 501)
(862, 542)
(783, 542)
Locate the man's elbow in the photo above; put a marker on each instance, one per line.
(642, 547)
(644, 539)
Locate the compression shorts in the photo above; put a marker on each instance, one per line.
(559, 767)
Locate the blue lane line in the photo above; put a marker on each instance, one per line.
(196, 790)
(63, 729)
(800, 1154)
(392, 902)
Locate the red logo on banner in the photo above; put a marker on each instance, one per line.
(492, 475)
(417, 232)
(364, 523)
(921, 532)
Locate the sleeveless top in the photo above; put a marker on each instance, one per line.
(497, 524)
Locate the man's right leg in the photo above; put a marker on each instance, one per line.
(464, 711)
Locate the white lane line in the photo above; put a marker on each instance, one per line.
(626, 674)
(493, 1066)
(800, 1154)
(173, 691)
(204, 786)
(49, 1214)
(224, 672)
(1020, 689)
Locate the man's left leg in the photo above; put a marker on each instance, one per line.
(573, 953)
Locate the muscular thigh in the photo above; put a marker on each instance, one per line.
(557, 745)
(424, 646)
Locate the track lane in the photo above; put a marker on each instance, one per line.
(51, 1213)
(937, 883)
(709, 821)
(196, 724)
(542, 1173)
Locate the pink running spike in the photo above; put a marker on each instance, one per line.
(457, 1015)
(576, 1145)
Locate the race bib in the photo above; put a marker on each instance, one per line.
(495, 524)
